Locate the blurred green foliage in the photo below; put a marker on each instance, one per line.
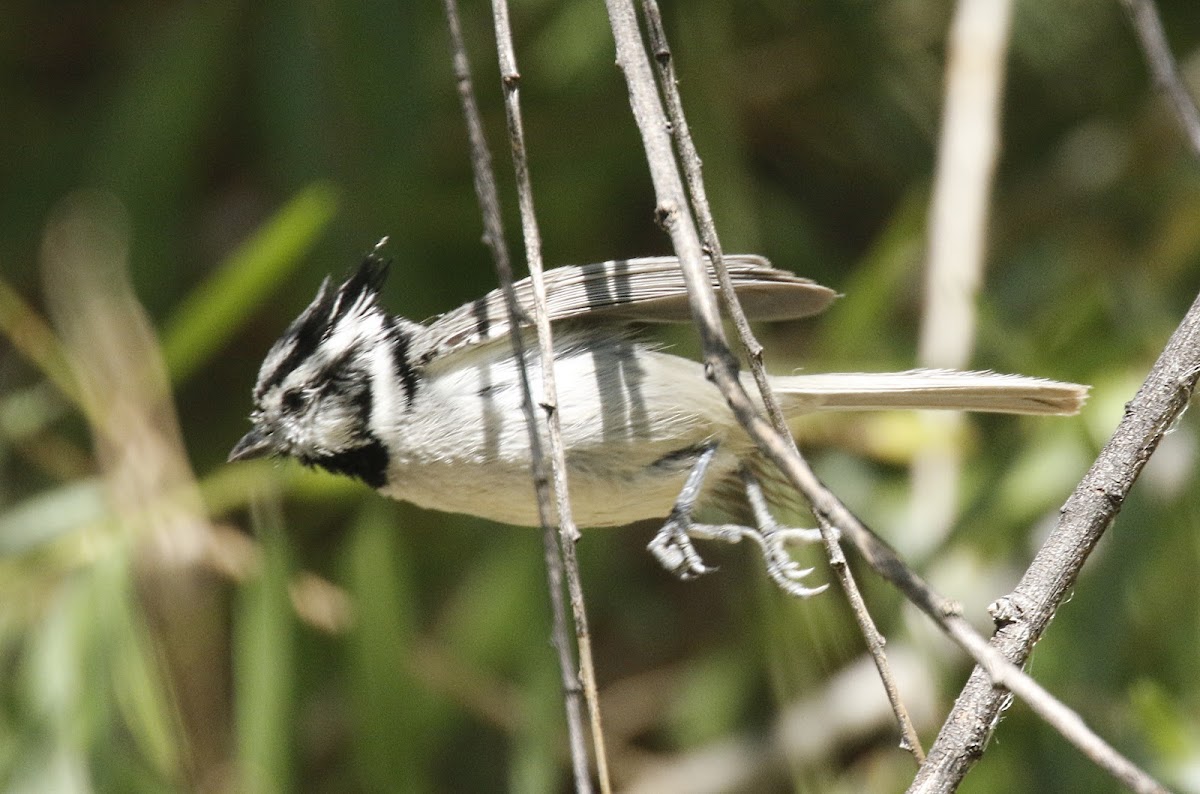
(257, 147)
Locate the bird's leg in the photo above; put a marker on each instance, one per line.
(773, 539)
(673, 547)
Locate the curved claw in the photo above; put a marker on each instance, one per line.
(673, 548)
(674, 551)
(800, 591)
(785, 571)
(799, 574)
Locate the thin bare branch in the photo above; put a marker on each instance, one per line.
(693, 170)
(1143, 15)
(1023, 615)
(568, 534)
(721, 367)
(1004, 677)
(967, 153)
(1092, 507)
(489, 203)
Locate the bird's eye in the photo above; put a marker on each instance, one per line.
(293, 400)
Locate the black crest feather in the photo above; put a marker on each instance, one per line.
(366, 282)
(305, 333)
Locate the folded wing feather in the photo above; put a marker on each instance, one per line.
(647, 290)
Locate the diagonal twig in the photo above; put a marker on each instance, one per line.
(489, 202)
(721, 367)
(690, 160)
(1147, 25)
(1094, 504)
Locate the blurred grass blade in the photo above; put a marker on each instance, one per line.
(150, 489)
(396, 722)
(215, 310)
(139, 687)
(50, 515)
(535, 749)
(264, 654)
(30, 334)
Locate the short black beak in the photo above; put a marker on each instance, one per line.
(255, 444)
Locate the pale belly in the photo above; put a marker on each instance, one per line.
(633, 424)
(600, 496)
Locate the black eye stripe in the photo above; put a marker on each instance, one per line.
(363, 402)
(338, 368)
(306, 338)
(304, 335)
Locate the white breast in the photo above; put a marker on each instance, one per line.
(624, 408)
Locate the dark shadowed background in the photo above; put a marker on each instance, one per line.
(317, 637)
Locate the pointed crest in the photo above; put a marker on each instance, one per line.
(364, 285)
(356, 295)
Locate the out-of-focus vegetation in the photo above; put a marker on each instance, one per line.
(150, 639)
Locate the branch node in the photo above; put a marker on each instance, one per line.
(951, 609)
(1005, 611)
(666, 215)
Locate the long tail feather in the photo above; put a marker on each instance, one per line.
(949, 390)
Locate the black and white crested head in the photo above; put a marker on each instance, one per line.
(317, 387)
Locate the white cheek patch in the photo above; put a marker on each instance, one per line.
(332, 428)
(388, 400)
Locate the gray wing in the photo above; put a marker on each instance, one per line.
(645, 290)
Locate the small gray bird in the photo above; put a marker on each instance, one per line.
(431, 413)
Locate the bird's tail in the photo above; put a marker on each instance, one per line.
(934, 389)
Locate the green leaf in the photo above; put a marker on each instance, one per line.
(396, 722)
(264, 654)
(213, 312)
